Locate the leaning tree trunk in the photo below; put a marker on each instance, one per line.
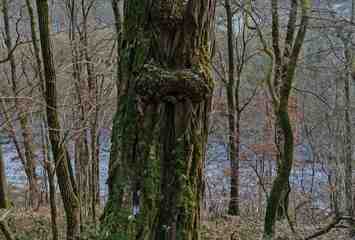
(60, 154)
(160, 128)
(283, 70)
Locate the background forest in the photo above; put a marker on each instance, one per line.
(194, 119)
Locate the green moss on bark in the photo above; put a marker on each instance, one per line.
(160, 128)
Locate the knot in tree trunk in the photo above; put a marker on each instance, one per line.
(157, 84)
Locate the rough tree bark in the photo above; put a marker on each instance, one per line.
(64, 175)
(349, 57)
(160, 128)
(348, 145)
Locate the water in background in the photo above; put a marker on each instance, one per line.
(307, 177)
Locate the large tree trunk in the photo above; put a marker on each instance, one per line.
(343, 134)
(60, 154)
(348, 142)
(348, 145)
(160, 129)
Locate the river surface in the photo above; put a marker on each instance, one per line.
(307, 178)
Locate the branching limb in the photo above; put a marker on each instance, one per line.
(269, 78)
(327, 228)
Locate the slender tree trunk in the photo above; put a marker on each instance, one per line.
(4, 198)
(60, 154)
(231, 90)
(48, 166)
(160, 128)
(93, 93)
(52, 199)
(35, 45)
(81, 142)
(3, 182)
(30, 163)
(284, 75)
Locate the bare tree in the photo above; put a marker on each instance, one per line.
(29, 162)
(280, 85)
(65, 176)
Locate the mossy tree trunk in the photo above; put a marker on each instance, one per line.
(63, 169)
(282, 75)
(160, 128)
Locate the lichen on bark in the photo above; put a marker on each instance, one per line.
(156, 84)
(160, 128)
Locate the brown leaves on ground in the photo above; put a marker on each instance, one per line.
(248, 227)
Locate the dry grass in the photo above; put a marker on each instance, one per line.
(28, 225)
(248, 227)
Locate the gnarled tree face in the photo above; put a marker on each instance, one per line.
(160, 129)
(168, 45)
(176, 30)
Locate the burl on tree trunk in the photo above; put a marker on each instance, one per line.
(160, 128)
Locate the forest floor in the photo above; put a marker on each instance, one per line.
(249, 227)
(30, 225)
(27, 224)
